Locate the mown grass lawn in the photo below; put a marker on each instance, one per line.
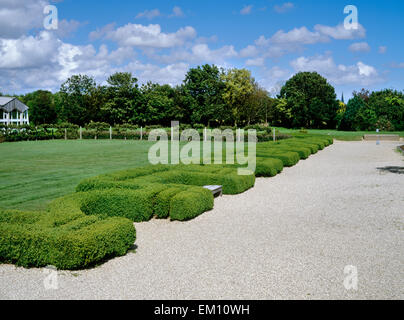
(34, 173)
(341, 135)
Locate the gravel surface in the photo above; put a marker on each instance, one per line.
(288, 238)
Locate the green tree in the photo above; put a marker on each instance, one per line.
(350, 118)
(239, 85)
(41, 107)
(389, 106)
(205, 87)
(121, 95)
(280, 113)
(155, 105)
(258, 106)
(312, 101)
(76, 104)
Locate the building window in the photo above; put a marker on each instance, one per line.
(14, 114)
(2, 114)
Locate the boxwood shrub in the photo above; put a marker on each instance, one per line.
(268, 167)
(136, 205)
(187, 205)
(288, 158)
(37, 239)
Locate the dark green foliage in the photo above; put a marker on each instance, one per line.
(163, 201)
(311, 100)
(232, 182)
(205, 88)
(267, 167)
(119, 97)
(388, 105)
(41, 107)
(136, 205)
(382, 110)
(76, 100)
(76, 241)
(288, 158)
(187, 205)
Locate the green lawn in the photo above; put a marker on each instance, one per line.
(34, 173)
(341, 135)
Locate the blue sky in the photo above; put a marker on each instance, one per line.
(160, 40)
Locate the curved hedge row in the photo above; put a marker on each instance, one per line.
(69, 241)
(96, 222)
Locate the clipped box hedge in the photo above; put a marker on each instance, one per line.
(187, 205)
(33, 239)
(288, 158)
(268, 167)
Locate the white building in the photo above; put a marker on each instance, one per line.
(13, 111)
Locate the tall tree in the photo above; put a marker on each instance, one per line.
(312, 101)
(259, 104)
(239, 85)
(155, 105)
(122, 93)
(75, 94)
(41, 107)
(350, 120)
(389, 106)
(205, 86)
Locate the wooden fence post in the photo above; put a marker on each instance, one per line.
(65, 134)
(274, 134)
(110, 133)
(141, 133)
(81, 133)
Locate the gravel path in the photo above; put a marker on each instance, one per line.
(288, 238)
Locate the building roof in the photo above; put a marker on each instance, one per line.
(9, 104)
(5, 100)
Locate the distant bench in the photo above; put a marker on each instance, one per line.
(216, 190)
(381, 137)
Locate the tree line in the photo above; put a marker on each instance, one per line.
(211, 96)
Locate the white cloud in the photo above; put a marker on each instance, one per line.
(249, 51)
(19, 16)
(177, 12)
(292, 41)
(365, 70)
(172, 74)
(150, 36)
(284, 7)
(339, 32)
(203, 53)
(67, 27)
(359, 74)
(382, 49)
(149, 14)
(196, 54)
(23, 67)
(298, 36)
(273, 79)
(101, 32)
(246, 10)
(24, 53)
(278, 73)
(257, 62)
(359, 47)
